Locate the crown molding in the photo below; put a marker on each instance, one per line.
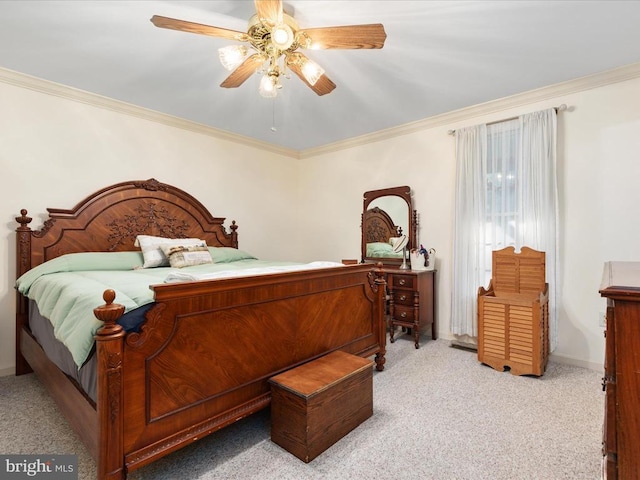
(70, 93)
(601, 79)
(609, 77)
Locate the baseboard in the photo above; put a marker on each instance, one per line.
(469, 347)
(562, 359)
(4, 372)
(597, 367)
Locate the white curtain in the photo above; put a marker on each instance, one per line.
(468, 258)
(540, 198)
(506, 194)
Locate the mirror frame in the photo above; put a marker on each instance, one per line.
(404, 193)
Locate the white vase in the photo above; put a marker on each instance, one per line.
(417, 260)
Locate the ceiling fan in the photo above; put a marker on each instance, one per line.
(274, 40)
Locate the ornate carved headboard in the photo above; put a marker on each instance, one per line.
(110, 219)
(379, 226)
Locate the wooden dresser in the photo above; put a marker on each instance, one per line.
(621, 432)
(412, 302)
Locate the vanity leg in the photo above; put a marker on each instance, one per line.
(416, 318)
(391, 304)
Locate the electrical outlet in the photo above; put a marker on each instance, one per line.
(602, 319)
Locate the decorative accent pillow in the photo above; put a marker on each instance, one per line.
(152, 253)
(186, 255)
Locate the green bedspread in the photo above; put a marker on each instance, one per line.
(68, 288)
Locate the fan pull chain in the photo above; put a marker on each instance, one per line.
(273, 116)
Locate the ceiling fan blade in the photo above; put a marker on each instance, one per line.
(349, 36)
(324, 84)
(244, 71)
(270, 10)
(184, 26)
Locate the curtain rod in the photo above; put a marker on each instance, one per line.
(560, 108)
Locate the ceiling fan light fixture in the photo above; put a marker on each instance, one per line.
(311, 71)
(268, 86)
(275, 37)
(232, 56)
(282, 36)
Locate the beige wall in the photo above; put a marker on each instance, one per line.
(54, 151)
(598, 169)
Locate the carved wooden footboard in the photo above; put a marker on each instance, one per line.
(206, 349)
(204, 356)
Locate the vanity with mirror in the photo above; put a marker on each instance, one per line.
(390, 222)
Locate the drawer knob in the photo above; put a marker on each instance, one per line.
(402, 281)
(403, 315)
(403, 297)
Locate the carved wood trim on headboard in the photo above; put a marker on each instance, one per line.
(110, 219)
(379, 226)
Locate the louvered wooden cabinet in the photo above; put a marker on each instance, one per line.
(621, 432)
(513, 313)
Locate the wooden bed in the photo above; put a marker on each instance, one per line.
(204, 355)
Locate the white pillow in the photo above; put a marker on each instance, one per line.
(186, 255)
(152, 251)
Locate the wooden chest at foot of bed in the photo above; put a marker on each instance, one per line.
(316, 404)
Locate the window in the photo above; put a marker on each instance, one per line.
(506, 195)
(502, 209)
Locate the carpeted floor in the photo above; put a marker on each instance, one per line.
(438, 414)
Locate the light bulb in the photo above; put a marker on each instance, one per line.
(311, 71)
(268, 88)
(232, 56)
(282, 36)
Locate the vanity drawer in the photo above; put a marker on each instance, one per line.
(404, 281)
(403, 314)
(403, 297)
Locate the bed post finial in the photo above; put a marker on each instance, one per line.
(23, 243)
(23, 220)
(109, 313)
(234, 234)
(110, 393)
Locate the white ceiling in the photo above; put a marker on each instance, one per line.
(439, 56)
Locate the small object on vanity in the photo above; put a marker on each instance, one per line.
(430, 256)
(422, 259)
(401, 245)
(417, 260)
